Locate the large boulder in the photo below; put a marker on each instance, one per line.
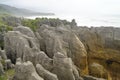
(63, 67)
(15, 44)
(18, 45)
(25, 71)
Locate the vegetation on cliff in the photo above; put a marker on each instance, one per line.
(4, 27)
(53, 22)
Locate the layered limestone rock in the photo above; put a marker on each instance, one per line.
(64, 68)
(64, 53)
(18, 45)
(99, 45)
(61, 39)
(26, 71)
(109, 55)
(22, 46)
(64, 50)
(28, 32)
(89, 38)
(39, 57)
(45, 73)
(110, 36)
(25, 30)
(15, 44)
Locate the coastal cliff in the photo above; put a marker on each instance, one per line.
(54, 49)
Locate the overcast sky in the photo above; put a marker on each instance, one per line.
(76, 7)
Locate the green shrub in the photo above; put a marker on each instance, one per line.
(8, 74)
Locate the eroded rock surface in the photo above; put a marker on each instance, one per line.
(63, 40)
(64, 52)
(63, 67)
(45, 73)
(26, 71)
(21, 45)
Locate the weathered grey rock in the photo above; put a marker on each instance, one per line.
(38, 57)
(19, 44)
(48, 40)
(45, 73)
(3, 54)
(76, 73)
(1, 69)
(89, 38)
(16, 43)
(22, 43)
(110, 36)
(78, 54)
(38, 37)
(25, 71)
(63, 40)
(73, 23)
(63, 67)
(8, 64)
(25, 30)
(45, 61)
(18, 60)
(28, 32)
